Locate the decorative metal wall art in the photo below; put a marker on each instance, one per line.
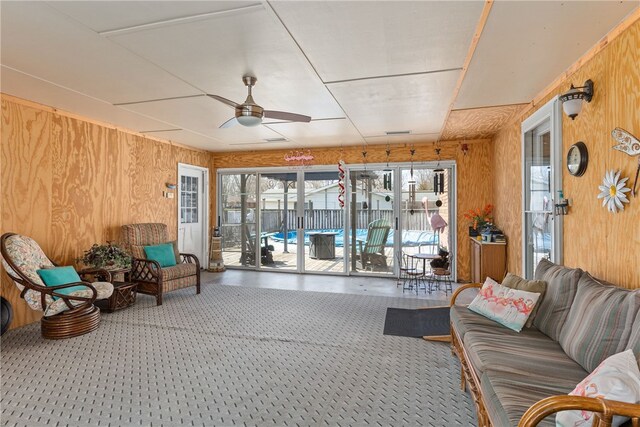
(612, 191)
(630, 145)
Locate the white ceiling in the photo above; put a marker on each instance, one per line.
(358, 69)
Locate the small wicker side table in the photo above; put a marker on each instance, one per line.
(124, 295)
(124, 292)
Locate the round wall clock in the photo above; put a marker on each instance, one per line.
(577, 159)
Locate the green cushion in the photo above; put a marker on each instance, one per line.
(61, 276)
(538, 286)
(162, 253)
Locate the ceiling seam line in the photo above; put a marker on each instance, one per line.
(314, 68)
(484, 16)
(180, 20)
(417, 73)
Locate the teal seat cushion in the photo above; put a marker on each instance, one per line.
(56, 276)
(162, 253)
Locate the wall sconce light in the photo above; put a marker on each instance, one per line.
(562, 207)
(171, 186)
(465, 149)
(572, 99)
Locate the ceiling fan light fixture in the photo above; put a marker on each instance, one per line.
(249, 121)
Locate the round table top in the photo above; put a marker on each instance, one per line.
(425, 256)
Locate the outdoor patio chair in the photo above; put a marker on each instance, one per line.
(65, 315)
(151, 278)
(371, 251)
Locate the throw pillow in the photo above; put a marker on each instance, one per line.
(509, 307)
(538, 286)
(162, 253)
(56, 276)
(616, 378)
(137, 251)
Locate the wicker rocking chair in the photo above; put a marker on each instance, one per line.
(65, 315)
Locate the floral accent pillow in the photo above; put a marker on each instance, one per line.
(509, 307)
(616, 378)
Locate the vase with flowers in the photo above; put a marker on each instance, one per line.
(479, 219)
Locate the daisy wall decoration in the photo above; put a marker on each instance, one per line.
(612, 191)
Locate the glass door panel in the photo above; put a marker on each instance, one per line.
(278, 221)
(372, 221)
(425, 212)
(323, 223)
(238, 219)
(538, 197)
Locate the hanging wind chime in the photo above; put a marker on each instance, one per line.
(386, 179)
(438, 177)
(365, 179)
(412, 184)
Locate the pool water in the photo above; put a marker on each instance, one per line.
(409, 237)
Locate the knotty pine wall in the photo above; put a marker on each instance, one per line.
(606, 245)
(474, 173)
(69, 183)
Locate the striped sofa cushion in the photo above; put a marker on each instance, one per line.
(599, 322)
(465, 320)
(508, 396)
(562, 283)
(529, 352)
(634, 338)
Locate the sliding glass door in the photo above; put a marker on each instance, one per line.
(284, 220)
(322, 221)
(373, 220)
(237, 219)
(278, 221)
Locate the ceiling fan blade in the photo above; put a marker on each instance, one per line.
(231, 122)
(224, 100)
(282, 115)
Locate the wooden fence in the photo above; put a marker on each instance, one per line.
(329, 219)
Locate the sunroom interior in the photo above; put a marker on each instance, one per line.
(373, 133)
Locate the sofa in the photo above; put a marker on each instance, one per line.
(523, 378)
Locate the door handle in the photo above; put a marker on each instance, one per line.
(396, 223)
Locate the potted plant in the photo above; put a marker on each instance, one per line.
(109, 257)
(478, 219)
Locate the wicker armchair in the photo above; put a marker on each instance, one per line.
(65, 316)
(149, 276)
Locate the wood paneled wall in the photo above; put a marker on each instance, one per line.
(607, 245)
(69, 183)
(474, 174)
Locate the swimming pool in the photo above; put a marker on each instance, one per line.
(409, 237)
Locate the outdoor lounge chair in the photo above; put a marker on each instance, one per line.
(248, 256)
(371, 251)
(65, 315)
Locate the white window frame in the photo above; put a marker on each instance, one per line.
(552, 112)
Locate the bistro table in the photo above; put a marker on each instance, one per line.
(424, 258)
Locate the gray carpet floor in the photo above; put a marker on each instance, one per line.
(234, 356)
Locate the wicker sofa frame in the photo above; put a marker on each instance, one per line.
(603, 409)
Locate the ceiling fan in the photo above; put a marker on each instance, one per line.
(250, 114)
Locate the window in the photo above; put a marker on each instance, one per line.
(189, 202)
